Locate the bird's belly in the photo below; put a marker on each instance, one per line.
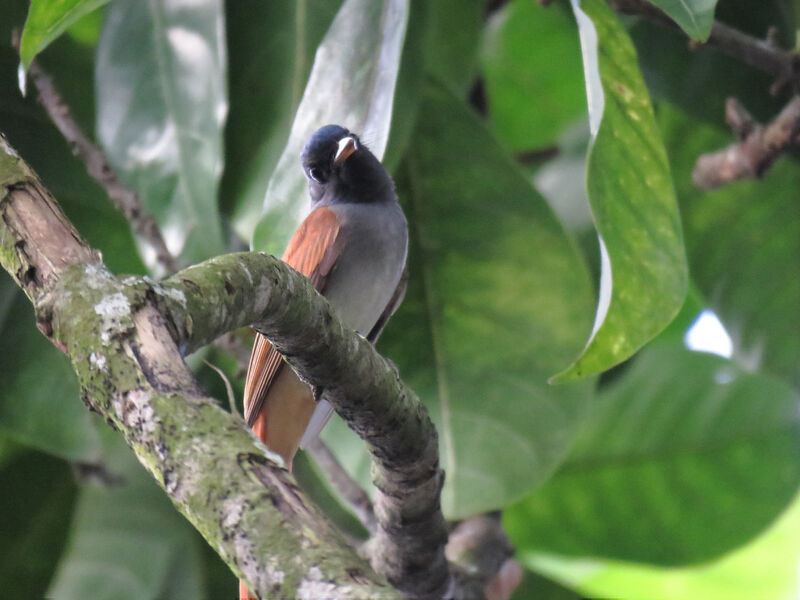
(368, 271)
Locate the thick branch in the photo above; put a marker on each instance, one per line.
(758, 148)
(237, 289)
(131, 372)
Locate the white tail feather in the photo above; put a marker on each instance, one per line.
(319, 419)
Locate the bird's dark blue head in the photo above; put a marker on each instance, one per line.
(340, 169)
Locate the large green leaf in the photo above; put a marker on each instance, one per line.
(161, 107)
(351, 84)
(127, 540)
(744, 248)
(685, 457)
(694, 16)
(532, 92)
(765, 568)
(271, 48)
(644, 276)
(48, 19)
(498, 298)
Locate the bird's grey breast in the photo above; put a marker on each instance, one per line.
(368, 270)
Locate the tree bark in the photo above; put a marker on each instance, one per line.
(126, 340)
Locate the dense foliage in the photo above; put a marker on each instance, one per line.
(623, 460)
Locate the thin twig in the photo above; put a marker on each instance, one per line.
(759, 146)
(98, 166)
(347, 488)
(763, 55)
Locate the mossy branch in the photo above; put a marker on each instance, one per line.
(126, 339)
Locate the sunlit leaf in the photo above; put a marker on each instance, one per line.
(765, 568)
(694, 16)
(498, 298)
(644, 275)
(271, 47)
(684, 457)
(352, 85)
(48, 19)
(532, 94)
(161, 107)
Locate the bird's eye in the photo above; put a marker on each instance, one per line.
(316, 174)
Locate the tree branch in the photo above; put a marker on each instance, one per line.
(126, 340)
(131, 372)
(763, 55)
(758, 147)
(349, 490)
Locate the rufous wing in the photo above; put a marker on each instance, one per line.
(277, 404)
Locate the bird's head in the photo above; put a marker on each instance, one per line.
(340, 168)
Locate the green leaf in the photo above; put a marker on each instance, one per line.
(695, 17)
(162, 103)
(351, 85)
(532, 94)
(271, 48)
(685, 457)
(39, 401)
(35, 508)
(644, 275)
(48, 19)
(744, 243)
(454, 38)
(765, 568)
(498, 297)
(127, 540)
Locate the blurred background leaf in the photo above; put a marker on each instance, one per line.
(694, 16)
(271, 48)
(683, 458)
(351, 85)
(48, 19)
(154, 60)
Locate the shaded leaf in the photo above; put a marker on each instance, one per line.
(127, 540)
(498, 297)
(694, 16)
(39, 402)
(533, 90)
(685, 457)
(351, 85)
(161, 107)
(35, 509)
(48, 19)
(644, 275)
(271, 49)
(765, 568)
(744, 248)
(451, 50)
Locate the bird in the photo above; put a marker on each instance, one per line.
(353, 247)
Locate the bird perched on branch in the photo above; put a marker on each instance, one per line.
(353, 247)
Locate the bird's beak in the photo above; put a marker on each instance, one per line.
(347, 145)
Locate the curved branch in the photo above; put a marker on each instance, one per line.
(131, 372)
(127, 338)
(229, 291)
